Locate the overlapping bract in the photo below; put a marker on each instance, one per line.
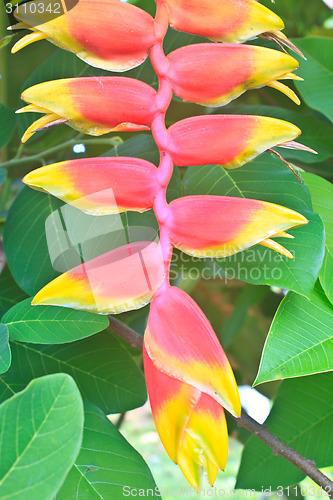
(189, 378)
(219, 226)
(99, 186)
(93, 105)
(117, 281)
(225, 79)
(223, 20)
(108, 34)
(227, 140)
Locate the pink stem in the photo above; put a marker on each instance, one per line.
(161, 136)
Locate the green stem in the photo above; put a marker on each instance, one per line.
(15, 162)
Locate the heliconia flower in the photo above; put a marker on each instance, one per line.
(219, 226)
(117, 281)
(227, 140)
(225, 77)
(108, 34)
(223, 20)
(99, 186)
(191, 424)
(93, 105)
(182, 344)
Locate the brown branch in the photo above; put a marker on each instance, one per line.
(261, 431)
(125, 332)
(280, 448)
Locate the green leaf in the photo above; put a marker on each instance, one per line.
(267, 179)
(5, 352)
(10, 292)
(25, 240)
(317, 71)
(103, 369)
(300, 340)
(44, 237)
(51, 324)
(40, 439)
(316, 132)
(7, 124)
(322, 201)
(107, 466)
(302, 417)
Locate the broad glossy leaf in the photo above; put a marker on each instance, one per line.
(41, 437)
(300, 340)
(10, 292)
(25, 241)
(5, 352)
(103, 369)
(322, 201)
(317, 71)
(43, 237)
(302, 416)
(107, 465)
(51, 324)
(267, 179)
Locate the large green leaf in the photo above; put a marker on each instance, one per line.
(25, 240)
(302, 416)
(44, 237)
(317, 71)
(316, 132)
(300, 340)
(322, 201)
(107, 466)
(10, 292)
(267, 179)
(40, 439)
(5, 352)
(51, 324)
(103, 369)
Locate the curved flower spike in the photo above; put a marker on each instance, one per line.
(226, 140)
(117, 281)
(191, 425)
(219, 226)
(182, 344)
(99, 186)
(93, 105)
(225, 78)
(108, 34)
(223, 20)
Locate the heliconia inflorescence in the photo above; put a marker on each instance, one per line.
(189, 379)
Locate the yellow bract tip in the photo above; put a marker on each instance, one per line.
(273, 245)
(285, 90)
(39, 124)
(27, 40)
